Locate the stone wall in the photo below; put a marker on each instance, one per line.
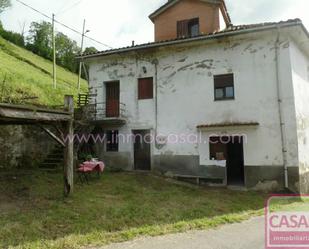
(23, 146)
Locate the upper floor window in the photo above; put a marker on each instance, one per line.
(224, 86)
(188, 28)
(145, 88)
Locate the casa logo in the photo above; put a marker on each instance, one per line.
(287, 222)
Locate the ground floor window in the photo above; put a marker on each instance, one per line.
(112, 141)
(218, 150)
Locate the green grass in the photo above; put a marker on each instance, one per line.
(292, 203)
(29, 75)
(118, 207)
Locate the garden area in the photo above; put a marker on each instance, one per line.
(116, 207)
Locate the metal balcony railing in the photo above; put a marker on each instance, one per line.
(103, 111)
(93, 111)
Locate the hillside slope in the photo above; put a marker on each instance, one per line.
(24, 75)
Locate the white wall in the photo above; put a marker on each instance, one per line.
(139, 113)
(186, 99)
(186, 94)
(300, 74)
(221, 21)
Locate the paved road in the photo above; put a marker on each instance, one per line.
(249, 234)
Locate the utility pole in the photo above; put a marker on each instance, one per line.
(81, 51)
(54, 54)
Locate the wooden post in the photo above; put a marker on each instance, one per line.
(69, 149)
(81, 52)
(54, 54)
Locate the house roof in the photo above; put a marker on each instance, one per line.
(171, 3)
(230, 31)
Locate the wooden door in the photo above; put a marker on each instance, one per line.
(112, 99)
(142, 150)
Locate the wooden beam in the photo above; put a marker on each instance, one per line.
(32, 114)
(69, 148)
(53, 136)
(32, 108)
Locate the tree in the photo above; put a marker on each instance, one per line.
(66, 51)
(12, 36)
(90, 50)
(85, 69)
(40, 39)
(4, 4)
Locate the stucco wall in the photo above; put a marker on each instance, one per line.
(23, 146)
(185, 93)
(300, 74)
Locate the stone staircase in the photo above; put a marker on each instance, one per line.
(54, 159)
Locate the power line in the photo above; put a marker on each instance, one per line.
(62, 24)
(67, 3)
(69, 8)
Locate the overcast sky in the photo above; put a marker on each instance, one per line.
(118, 22)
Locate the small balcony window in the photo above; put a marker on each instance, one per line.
(224, 87)
(188, 28)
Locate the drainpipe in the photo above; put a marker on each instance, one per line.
(282, 124)
(155, 62)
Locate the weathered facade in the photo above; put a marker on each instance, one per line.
(246, 82)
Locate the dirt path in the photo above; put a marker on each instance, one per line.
(249, 234)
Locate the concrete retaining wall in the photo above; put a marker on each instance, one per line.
(23, 146)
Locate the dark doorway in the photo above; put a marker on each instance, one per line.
(142, 160)
(235, 162)
(230, 149)
(112, 99)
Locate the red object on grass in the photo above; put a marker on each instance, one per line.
(91, 167)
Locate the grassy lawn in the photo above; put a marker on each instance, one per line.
(118, 207)
(29, 75)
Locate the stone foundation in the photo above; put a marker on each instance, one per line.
(303, 178)
(23, 146)
(255, 176)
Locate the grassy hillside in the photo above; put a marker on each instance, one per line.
(24, 75)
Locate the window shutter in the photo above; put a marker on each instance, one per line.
(145, 88)
(225, 80)
(179, 28)
(182, 28)
(185, 28)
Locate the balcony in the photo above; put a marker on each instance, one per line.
(109, 114)
(102, 114)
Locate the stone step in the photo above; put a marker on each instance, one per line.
(54, 160)
(56, 156)
(49, 165)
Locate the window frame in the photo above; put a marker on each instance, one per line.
(112, 146)
(184, 27)
(224, 86)
(145, 95)
(216, 147)
(191, 23)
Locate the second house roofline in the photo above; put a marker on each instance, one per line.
(170, 3)
(231, 31)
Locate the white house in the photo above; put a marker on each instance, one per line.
(225, 103)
